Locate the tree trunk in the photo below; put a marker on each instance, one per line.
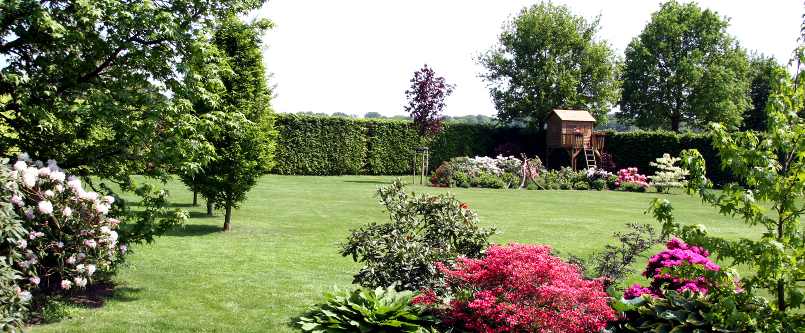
(210, 207)
(675, 120)
(228, 217)
(195, 198)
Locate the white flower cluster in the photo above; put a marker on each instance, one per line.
(483, 164)
(63, 221)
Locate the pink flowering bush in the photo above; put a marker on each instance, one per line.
(68, 238)
(519, 288)
(630, 180)
(680, 267)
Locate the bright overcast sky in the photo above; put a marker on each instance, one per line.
(357, 56)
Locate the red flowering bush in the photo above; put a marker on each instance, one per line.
(519, 288)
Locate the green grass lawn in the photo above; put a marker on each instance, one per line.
(282, 252)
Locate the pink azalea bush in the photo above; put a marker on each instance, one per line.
(68, 238)
(680, 267)
(630, 175)
(519, 288)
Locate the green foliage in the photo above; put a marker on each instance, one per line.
(684, 68)
(13, 307)
(101, 108)
(692, 312)
(242, 124)
(487, 180)
(614, 262)
(367, 310)
(762, 74)
(631, 187)
(769, 193)
(549, 58)
(598, 184)
(668, 174)
(389, 147)
(640, 148)
(309, 145)
(423, 229)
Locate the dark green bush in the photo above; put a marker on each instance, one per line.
(632, 187)
(582, 186)
(423, 229)
(367, 310)
(488, 180)
(692, 312)
(461, 179)
(598, 184)
(390, 147)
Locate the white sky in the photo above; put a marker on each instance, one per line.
(357, 56)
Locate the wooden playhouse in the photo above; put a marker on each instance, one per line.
(572, 131)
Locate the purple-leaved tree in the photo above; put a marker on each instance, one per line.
(426, 101)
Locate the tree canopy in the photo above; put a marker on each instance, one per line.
(233, 94)
(87, 82)
(762, 76)
(684, 68)
(549, 58)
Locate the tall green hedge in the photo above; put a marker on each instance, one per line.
(640, 148)
(312, 145)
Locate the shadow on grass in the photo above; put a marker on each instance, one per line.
(201, 215)
(96, 295)
(367, 181)
(181, 205)
(190, 230)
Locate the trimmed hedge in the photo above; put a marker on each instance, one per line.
(313, 145)
(319, 145)
(639, 148)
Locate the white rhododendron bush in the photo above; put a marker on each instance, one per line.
(67, 240)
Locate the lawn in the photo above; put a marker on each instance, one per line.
(282, 252)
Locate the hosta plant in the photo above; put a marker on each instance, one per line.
(367, 310)
(422, 230)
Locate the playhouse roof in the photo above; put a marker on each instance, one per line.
(574, 115)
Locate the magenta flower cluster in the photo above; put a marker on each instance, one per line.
(630, 175)
(664, 271)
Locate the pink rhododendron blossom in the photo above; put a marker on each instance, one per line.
(34, 280)
(20, 166)
(67, 211)
(16, 200)
(630, 175)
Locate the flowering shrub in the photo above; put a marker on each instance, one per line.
(668, 174)
(680, 267)
(70, 238)
(630, 176)
(519, 288)
(690, 293)
(423, 229)
(499, 172)
(13, 299)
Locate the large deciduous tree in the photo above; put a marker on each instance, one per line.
(232, 92)
(426, 101)
(762, 75)
(549, 58)
(684, 69)
(86, 82)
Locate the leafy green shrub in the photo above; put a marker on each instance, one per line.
(461, 179)
(582, 186)
(532, 186)
(598, 184)
(488, 180)
(423, 229)
(612, 182)
(632, 187)
(367, 310)
(693, 312)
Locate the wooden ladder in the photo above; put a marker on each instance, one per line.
(589, 156)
